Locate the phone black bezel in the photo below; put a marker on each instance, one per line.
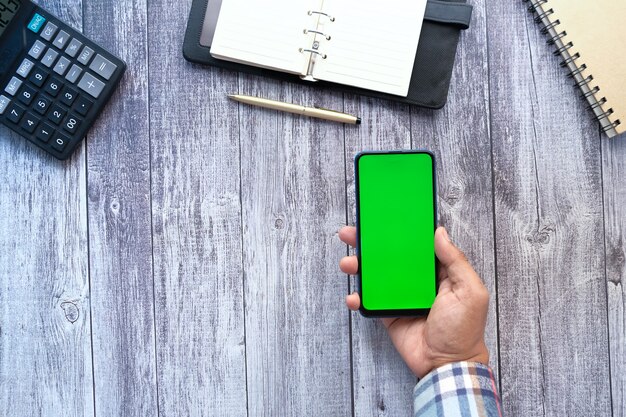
(401, 312)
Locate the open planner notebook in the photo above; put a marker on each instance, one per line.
(361, 43)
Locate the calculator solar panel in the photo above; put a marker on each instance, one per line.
(54, 81)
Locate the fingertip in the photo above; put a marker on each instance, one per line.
(347, 234)
(349, 265)
(353, 301)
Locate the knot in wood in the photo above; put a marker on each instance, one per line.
(279, 223)
(453, 195)
(71, 311)
(541, 236)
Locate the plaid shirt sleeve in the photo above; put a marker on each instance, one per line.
(464, 389)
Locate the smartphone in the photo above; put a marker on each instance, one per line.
(396, 221)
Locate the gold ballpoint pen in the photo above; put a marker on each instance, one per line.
(325, 114)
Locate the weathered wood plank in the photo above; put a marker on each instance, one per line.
(382, 384)
(459, 136)
(45, 348)
(196, 227)
(613, 173)
(549, 228)
(293, 202)
(120, 244)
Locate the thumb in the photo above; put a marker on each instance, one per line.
(452, 259)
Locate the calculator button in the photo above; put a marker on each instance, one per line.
(26, 95)
(85, 55)
(68, 96)
(73, 74)
(49, 31)
(44, 132)
(62, 65)
(4, 103)
(13, 86)
(59, 141)
(37, 49)
(53, 87)
(61, 40)
(102, 66)
(56, 114)
(29, 122)
(15, 113)
(41, 105)
(73, 47)
(71, 123)
(36, 22)
(25, 67)
(91, 85)
(83, 105)
(38, 77)
(49, 58)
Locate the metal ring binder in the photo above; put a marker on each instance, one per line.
(575, 70)
(318, 32)
(313, 51)
(311, 12)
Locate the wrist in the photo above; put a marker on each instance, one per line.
(480, 354)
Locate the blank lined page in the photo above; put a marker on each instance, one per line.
(372, 43)
(264, 33)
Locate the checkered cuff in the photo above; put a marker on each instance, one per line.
(457, 389)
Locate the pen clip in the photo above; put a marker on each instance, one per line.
(324, 108)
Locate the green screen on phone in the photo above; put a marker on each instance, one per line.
(396, 221)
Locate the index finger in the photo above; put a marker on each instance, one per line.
(347, 234)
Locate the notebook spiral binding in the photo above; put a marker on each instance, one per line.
(589, 91)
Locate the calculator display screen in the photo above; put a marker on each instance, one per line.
(8, 9)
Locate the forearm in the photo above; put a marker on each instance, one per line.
(461, 388)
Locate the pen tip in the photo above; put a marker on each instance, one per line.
(358, 120)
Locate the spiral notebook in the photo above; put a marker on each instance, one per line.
(351, 42)
(587, 34)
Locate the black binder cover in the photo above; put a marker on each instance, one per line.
(432, 70)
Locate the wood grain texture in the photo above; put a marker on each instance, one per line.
(45, 348)
(196, 227)
(382, 383)
(459, 136)
(293, 203)
(120, 240)
(613, 173)
(549, 228)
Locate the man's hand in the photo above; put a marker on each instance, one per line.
(455, 327)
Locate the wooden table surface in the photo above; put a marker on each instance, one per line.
(184, 261)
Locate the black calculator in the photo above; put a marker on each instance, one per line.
(54, 81)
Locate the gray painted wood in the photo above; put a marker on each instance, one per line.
(45, 348)
(613, 172)
(196, 214)
(549, 228)
(459, 136)
(293, 203)
(382, 382)
(120, 239)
